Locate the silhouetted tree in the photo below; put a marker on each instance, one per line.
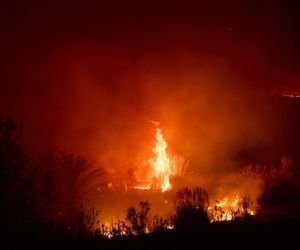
(40, 192)
(63, 170)
(16, 206)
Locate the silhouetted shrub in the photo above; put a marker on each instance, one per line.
(191, 209)
(114, 229)
(138, 219)
(275, 177)
(159, 223)
(85, 222)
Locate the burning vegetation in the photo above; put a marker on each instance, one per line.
(161, 167)
(167, 185)
(291, 94)
(230, 209)
(221, 81)
(236, 199)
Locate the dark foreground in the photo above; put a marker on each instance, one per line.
(246, 234)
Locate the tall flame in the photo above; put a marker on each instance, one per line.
(161, 167)
(161, 163)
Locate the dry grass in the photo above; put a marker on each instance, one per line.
(191, 209)
(196, 198)
(181, 165)
(272, 175)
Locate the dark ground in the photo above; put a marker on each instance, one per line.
(252, 234)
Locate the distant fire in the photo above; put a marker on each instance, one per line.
(157, 175)
(143, 187)
(229, 209)
(162, 166)
(294, 94)
(291, 95)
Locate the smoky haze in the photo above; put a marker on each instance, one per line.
(90, 78)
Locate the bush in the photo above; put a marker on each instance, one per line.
(191, 209)
(275, 177)
(85, 222)
(138, 219)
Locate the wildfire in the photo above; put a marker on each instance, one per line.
(161, 163)
(143, 187)
(228, 209)
(291, 94)
(113, 228)
(162, 166)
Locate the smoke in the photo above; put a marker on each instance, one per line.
(92, 84)
(206, 113)
(99, 103)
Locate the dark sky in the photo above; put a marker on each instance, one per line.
(74, 73)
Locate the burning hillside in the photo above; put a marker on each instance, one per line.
(80, 159)
(231, 196)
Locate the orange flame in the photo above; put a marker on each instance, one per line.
(161, 163)
(228, 209)
(162, 167)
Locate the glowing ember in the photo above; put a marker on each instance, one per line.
(143, 187)
(293, 94)
(170, 227)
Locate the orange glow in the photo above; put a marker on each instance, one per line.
(228, 209)
(291, 94)
(162, 166)
(161, 163)
(143, 187)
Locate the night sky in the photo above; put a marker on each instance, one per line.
(90, 76)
